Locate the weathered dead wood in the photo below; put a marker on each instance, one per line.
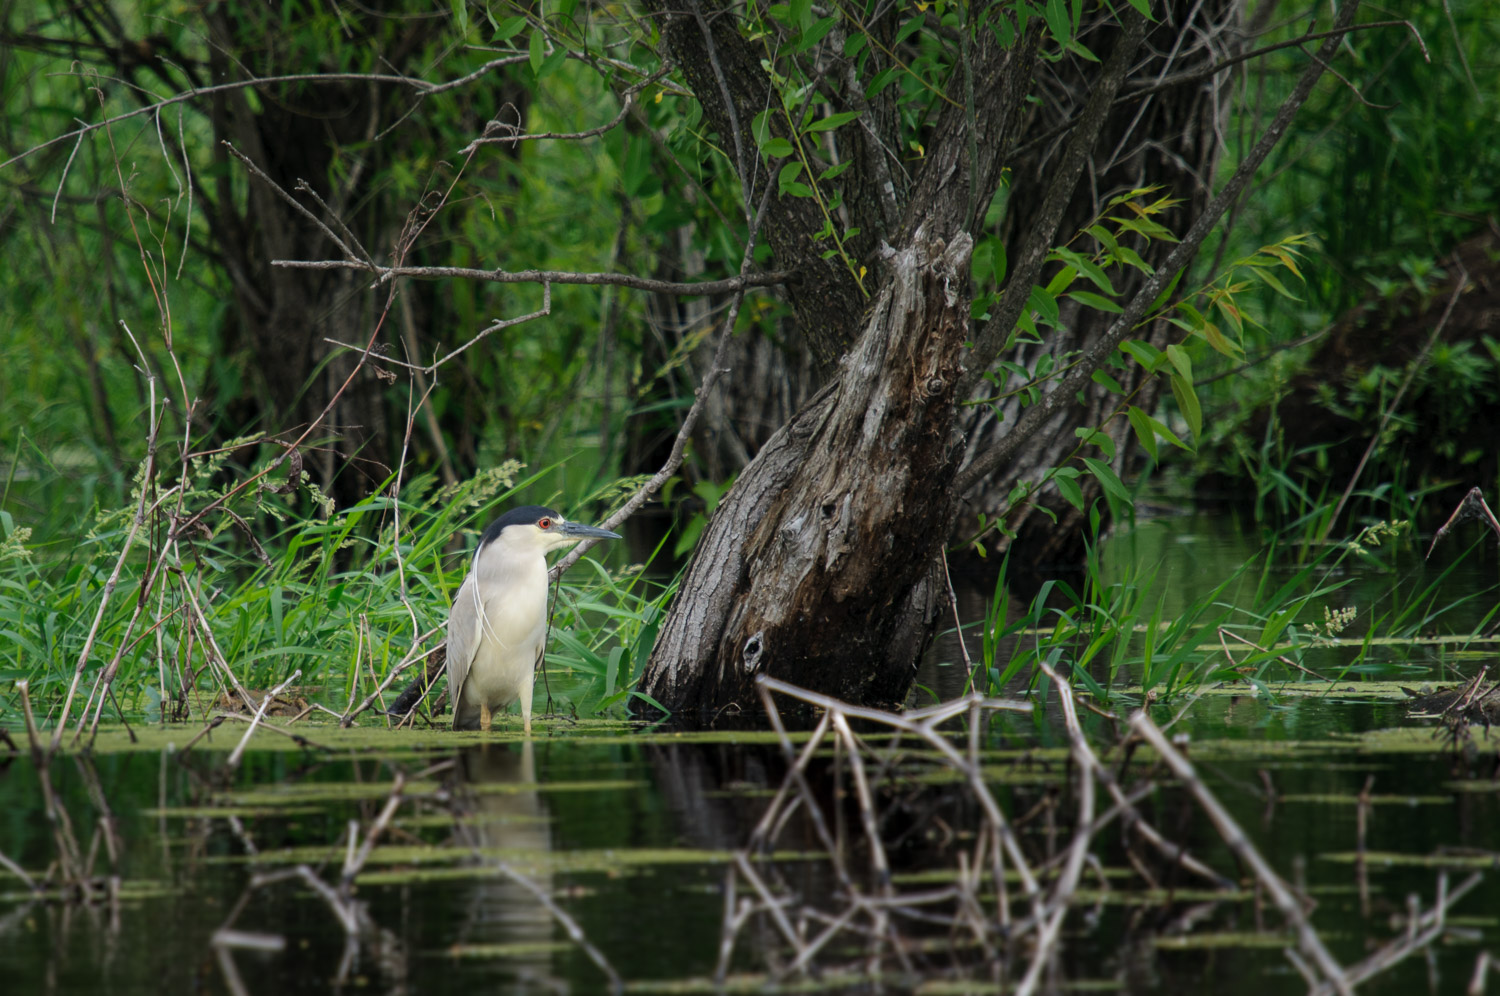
(1308, 940)
(820, 566)
(1472, 507)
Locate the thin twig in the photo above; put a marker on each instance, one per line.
(414, 655)
(1095, 355)
(700, 288)
(260, 713)
(690, 421)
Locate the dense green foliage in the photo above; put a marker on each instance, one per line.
(341, 603)
(127, 290)
(1386, 171)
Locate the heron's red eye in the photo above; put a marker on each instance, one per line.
(544, 523)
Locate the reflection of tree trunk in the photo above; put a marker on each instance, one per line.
(694, 782)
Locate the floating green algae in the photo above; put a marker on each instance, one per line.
(1347, 799)
(1393, 859)
(750, 982)
(429, 859)
(375, 740)
(501, 951)
(1224, 939)
(223, 812)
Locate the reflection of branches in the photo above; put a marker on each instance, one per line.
(1421, 930)
(1236, 840)
(352, 915)
(871, 913)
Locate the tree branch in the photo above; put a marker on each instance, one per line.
(422, 87)
(992, 337)
(497, 276)
(1208, 72)
(716, 369)
(1095, 355)
(827, 299)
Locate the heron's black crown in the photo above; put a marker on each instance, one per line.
(526, 515)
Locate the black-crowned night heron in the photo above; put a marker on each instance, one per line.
(497, 629)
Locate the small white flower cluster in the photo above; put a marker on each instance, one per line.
(1334, 622)
(1374, 535)
(14, 545)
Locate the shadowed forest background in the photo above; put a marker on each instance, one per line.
(200, 199)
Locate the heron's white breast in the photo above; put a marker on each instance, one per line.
(512, 628)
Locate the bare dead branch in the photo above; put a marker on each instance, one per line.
(412, 656)
(716, 370)
(701, 288)
(291, 201)
(260, 713)
(423, 88)
(136, 522)
(497, 132)
(1234, 837)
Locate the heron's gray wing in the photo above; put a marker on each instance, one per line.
(463, 638)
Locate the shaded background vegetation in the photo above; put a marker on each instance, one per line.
(152, 228)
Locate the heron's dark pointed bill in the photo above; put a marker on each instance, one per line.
(581, 531)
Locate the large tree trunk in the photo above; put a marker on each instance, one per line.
(821, 564)
(1170, 139)
(826, 570)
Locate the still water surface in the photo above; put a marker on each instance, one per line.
(629, 833)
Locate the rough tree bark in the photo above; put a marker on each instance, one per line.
(1171, 139)
(823, 550)
(821, 565)
(822, 561)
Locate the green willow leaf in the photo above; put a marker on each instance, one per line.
(833, 121)
(1108, 478)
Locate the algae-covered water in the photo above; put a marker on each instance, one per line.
(601, 850)
(630, 834)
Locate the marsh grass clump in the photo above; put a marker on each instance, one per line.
(212, 581)
(1295, 611)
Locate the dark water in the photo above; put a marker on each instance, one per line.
(630, 833)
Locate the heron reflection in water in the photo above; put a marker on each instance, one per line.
(502, 817)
